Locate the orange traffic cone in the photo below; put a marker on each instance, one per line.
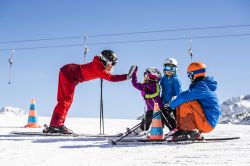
(32, 119)
(156, 132)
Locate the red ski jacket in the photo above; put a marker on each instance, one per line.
(90, 71)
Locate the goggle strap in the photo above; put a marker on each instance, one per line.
(107, 61)
(199, 71)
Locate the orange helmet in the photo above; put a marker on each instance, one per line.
(196, 69)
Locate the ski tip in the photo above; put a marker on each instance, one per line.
(221, 139)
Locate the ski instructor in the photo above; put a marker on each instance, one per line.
(71, 75)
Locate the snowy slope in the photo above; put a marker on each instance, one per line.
(83, 151)
(236, 110)
(16, 150)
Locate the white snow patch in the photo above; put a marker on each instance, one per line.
(8, 110)
(236, 110)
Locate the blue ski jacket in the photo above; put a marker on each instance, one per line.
(171, 86)
(204, 92)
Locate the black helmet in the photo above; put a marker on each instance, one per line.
(108, 57)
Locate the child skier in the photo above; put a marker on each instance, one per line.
(171, 87)
(197, 108)
(71, 75)
(150, 90)
(170, 84)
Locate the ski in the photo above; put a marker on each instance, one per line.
(191, 140)
(165, 141)
(220, 139)
(64, 135)
(42, 134)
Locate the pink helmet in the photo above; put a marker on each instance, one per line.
(153, 73)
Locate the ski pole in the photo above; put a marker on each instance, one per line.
(168, 124)
(101, 111)
(145, 121)
(113, 142)
(145, 118)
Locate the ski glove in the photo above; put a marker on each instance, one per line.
(166, 105)
(169, 109)
(131, 71)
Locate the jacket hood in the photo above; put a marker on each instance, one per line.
(211, 83)
(96, 59)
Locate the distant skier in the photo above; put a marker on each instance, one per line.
(197, 108)
(71, 75)
(150, 90)
(170, 83)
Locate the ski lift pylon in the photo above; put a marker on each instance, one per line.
(85, 48)
(10, 60)
(190, 50)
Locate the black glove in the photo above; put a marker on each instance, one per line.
(169, 118)
(166, 105)
(131, 71)
(169, 110)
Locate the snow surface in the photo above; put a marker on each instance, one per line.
(73, 151)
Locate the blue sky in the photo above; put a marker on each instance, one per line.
(35, 71)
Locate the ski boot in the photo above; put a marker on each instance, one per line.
(55, 129)
(170, 133)
(185, 135)
(136, 133)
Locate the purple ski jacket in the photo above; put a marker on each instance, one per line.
(150, 91)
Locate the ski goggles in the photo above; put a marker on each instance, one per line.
(112, 63)
(190, 75)
(169, 68)
(107, 62)
(148, 74)
(145, 73)
(196, 73)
